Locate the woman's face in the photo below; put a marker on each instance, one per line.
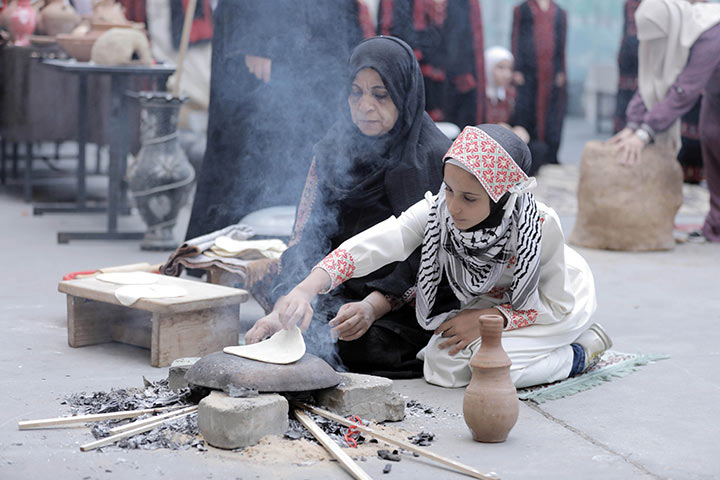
(467, 201)
(371, 107)
(502, 73)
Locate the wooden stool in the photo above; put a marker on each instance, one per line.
(194, 325)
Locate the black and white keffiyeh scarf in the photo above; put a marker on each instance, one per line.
(474, 260)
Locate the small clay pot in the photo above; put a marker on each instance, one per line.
(58, 17)
(490, 405)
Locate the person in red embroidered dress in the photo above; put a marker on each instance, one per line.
(538, 44)
(380, 156)
(501, 251)
(499, 90)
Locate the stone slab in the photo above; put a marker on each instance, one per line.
(220, 371)
(227, 422)
(367, 396)
(177, 371)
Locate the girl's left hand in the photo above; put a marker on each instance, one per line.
(462, 329)
(630, 149)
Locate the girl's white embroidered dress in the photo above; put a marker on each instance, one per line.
(537, 341)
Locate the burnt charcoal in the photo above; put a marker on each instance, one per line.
(422, 439)
(240, 392)
(387, 468)
(416, 408)
(333, 429)
(386, 455)
(178, 434)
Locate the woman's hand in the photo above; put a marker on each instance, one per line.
(518, 78)
(263, 328)
(462, 329)
(352, 321)
(630, 150)
(623, 134)
(294, 308)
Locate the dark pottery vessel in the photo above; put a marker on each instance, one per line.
(161, 177)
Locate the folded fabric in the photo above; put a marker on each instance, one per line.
(129, 294)
(248, 249)
(173, 267)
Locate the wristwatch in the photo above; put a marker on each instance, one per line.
(643, 135)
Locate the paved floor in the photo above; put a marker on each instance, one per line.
(658, 423)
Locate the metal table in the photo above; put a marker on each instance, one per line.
(118, 138)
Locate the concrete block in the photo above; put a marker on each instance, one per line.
(367, 396)
(176, 374)
(227, 422)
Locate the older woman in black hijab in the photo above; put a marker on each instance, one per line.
(376, 161)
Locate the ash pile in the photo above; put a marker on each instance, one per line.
(177, 434)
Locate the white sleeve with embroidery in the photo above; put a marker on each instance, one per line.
(392, 240)
(566, 286)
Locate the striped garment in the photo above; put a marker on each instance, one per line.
(475, 260)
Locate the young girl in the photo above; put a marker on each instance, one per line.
(501, 251)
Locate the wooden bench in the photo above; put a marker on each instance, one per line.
(201, 322)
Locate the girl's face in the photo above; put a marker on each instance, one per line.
(467, 201)
(371, 107)
(502, 73)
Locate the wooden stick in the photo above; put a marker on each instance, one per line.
(400, 443)
(140, 423)
(114, 438)
(51, 422)
(184, 41)
(332, 447)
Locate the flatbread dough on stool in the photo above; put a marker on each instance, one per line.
(129, 294)
(285, 346)
(129, 278)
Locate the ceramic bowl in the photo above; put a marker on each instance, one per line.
(78, 47)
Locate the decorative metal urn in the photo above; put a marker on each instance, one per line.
(161, 177)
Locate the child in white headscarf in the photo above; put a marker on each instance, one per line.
(499, 90)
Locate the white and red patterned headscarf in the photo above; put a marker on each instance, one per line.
(474, 260)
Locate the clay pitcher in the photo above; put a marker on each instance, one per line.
(490, 405)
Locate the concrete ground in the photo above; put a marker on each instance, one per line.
(658, 423)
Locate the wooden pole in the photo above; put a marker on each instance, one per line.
(140, 423)
(406, 445)
(114, 438)
(184, 41)
(52, 422)
(332, 447)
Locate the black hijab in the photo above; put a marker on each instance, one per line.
(352, 165)
(519, 151)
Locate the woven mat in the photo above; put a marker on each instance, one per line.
(611, 365)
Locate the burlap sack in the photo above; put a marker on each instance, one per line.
(627, 207)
